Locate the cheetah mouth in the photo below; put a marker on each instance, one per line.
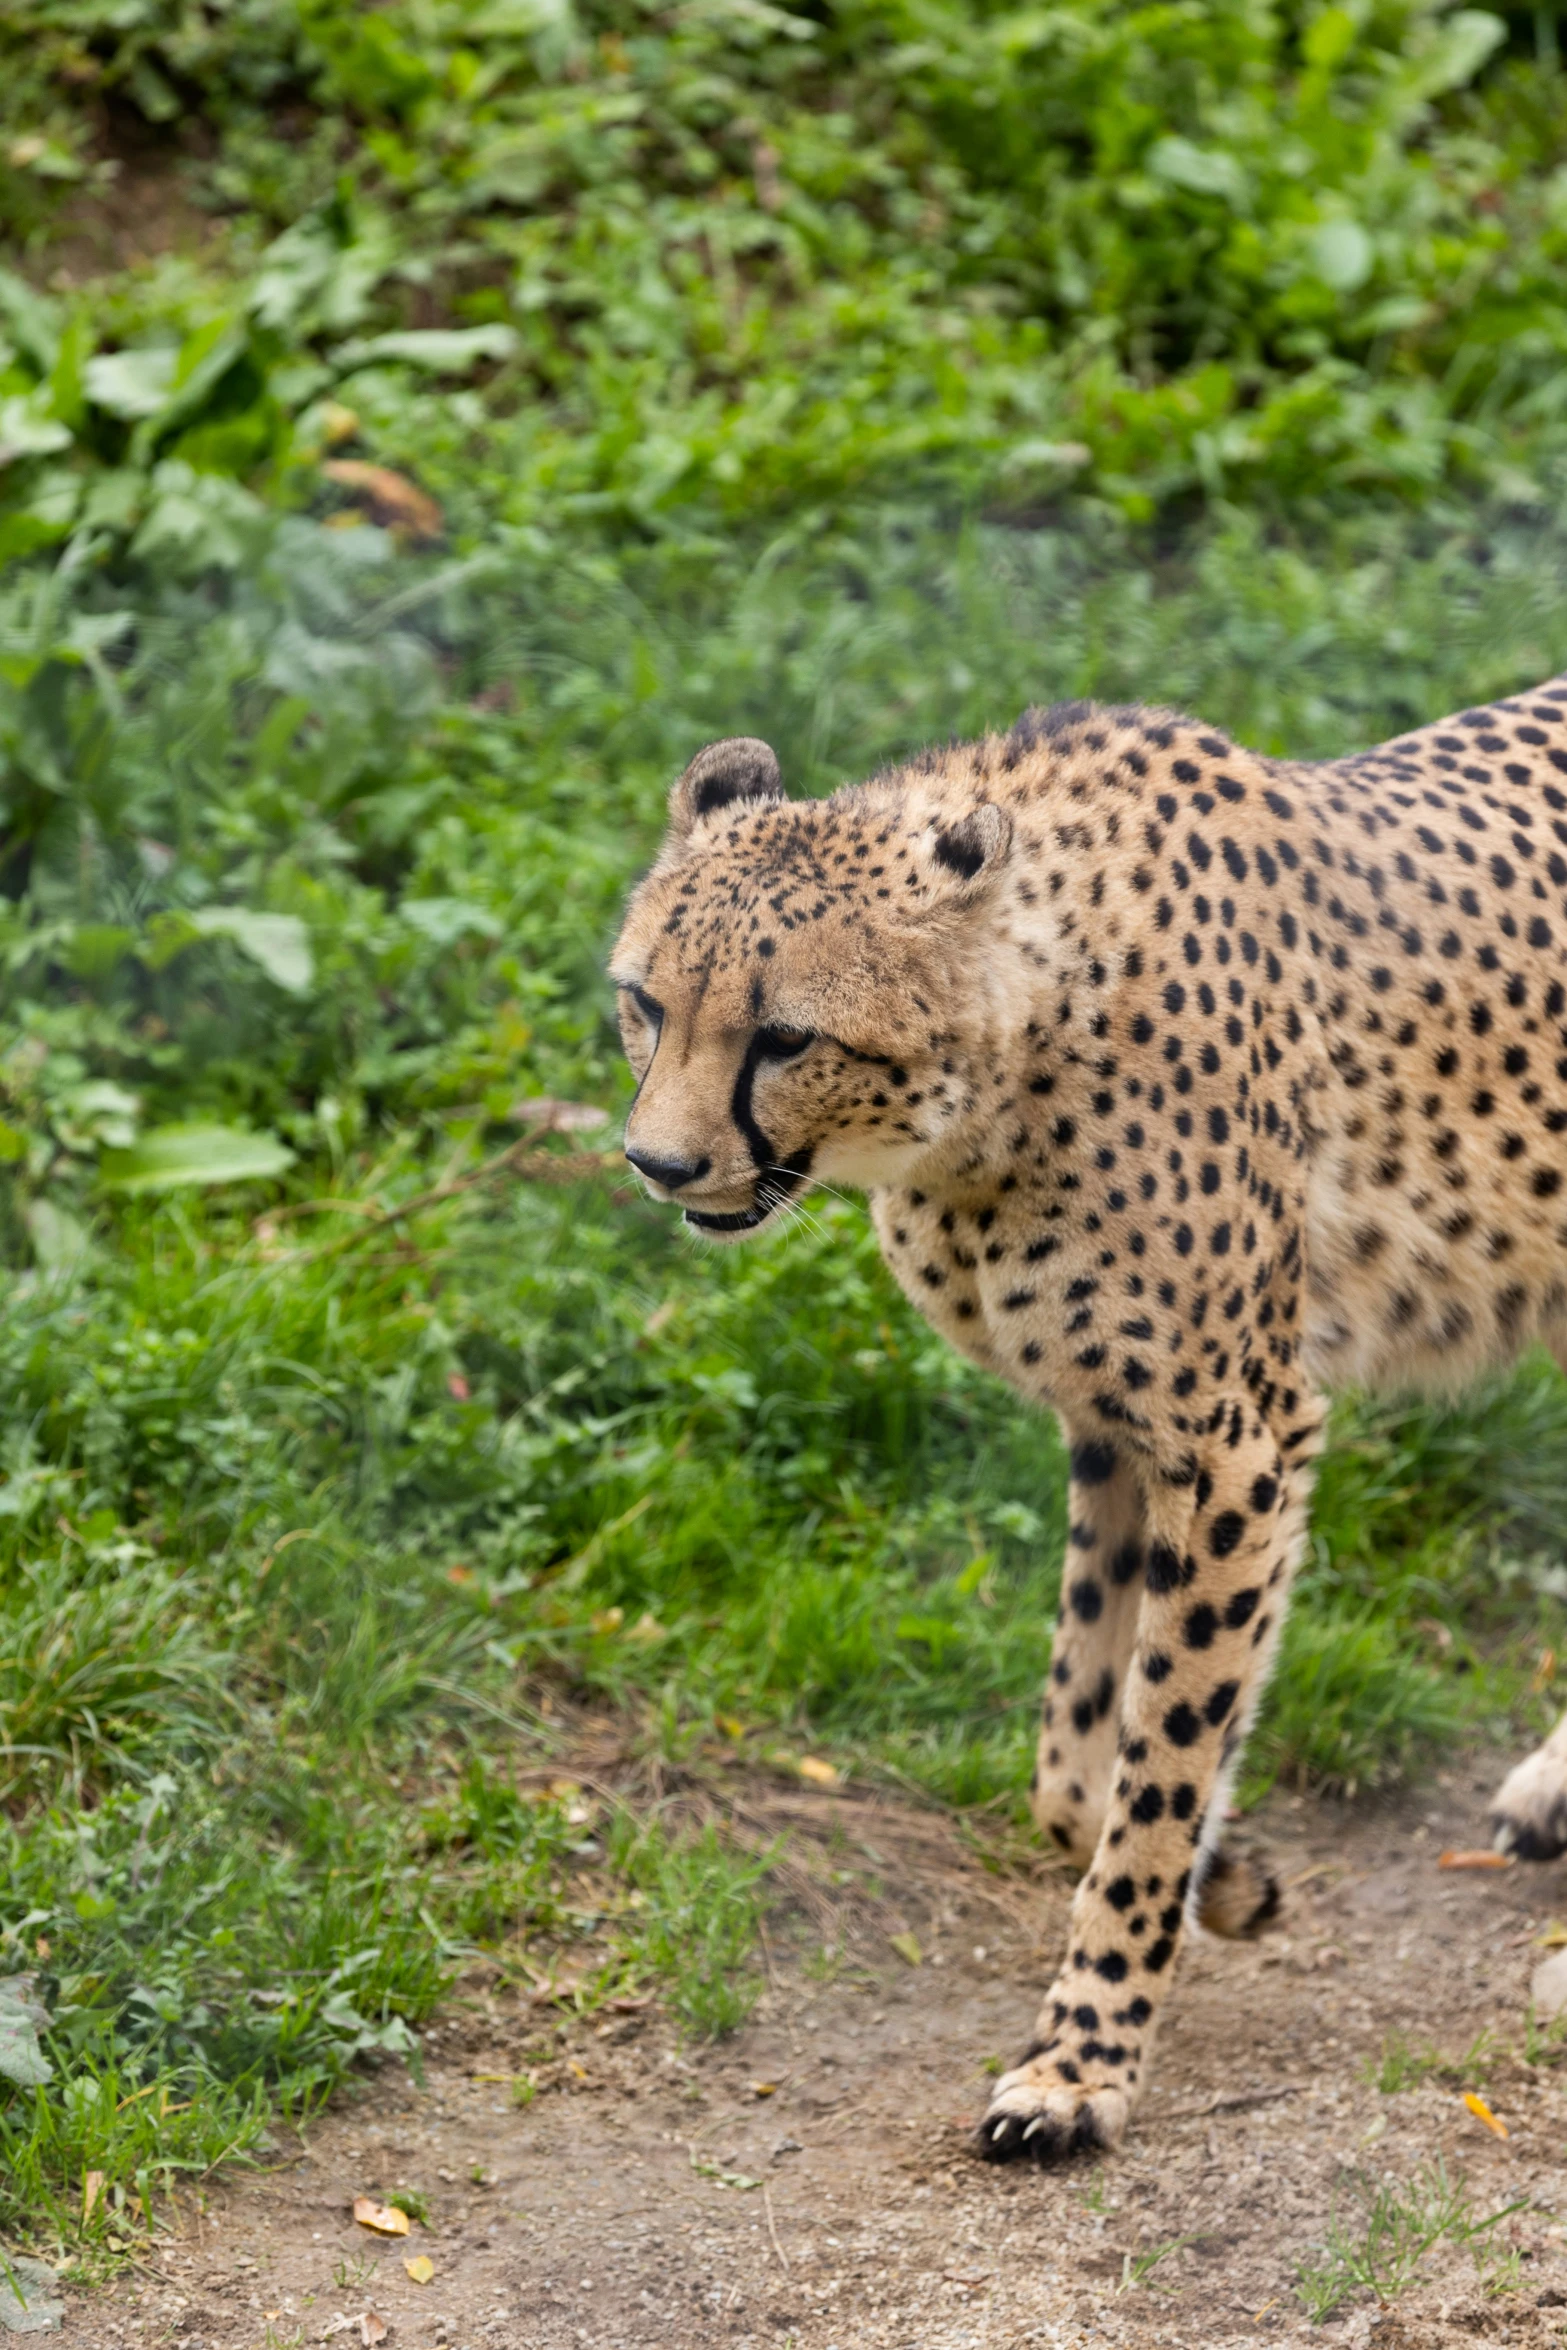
(773, 1189)
(742, 1220)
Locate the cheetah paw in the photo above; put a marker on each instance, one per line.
(1529, 1813)
(1239, 1897)
(1037, 2111)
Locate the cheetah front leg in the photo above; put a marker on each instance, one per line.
(1101, 1583)
(1224, 1531)
(1101, 1591)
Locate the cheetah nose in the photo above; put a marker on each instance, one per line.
(671, 1173)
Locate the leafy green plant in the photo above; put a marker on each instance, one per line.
(758, 258)
(495, 407)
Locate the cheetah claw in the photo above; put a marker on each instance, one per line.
(1034, 2112)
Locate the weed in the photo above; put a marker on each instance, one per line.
(1543, 2043)
(699, 1924)
(1138, 2268)
(1500, 2268)
(1096, 2195)
(1405, 2064)
(1397, 2225)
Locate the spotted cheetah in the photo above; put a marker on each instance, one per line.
(1185, 1084)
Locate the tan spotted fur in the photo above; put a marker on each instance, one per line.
(1184, 1084)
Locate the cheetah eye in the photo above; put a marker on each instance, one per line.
(782, 1044)
(652, 1012)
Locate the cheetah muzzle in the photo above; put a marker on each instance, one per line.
(1184, 1084)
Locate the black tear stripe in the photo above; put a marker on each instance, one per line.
(776, 1179)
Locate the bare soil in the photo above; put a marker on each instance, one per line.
(653, 2196)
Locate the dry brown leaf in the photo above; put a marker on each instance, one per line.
(907, 1947)
(544, 1113)
(365, 2326)
(764, 2088)
(384, 2218)
(393, 500)
(1474, 1860)
(820, 1774)
(421, 2268)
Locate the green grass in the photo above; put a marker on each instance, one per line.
(1406, 2064)
(303, 1522)
(830, 374)
(1396, 2224)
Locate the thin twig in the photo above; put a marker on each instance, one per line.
(772, 2227)
(521, 1158)
(1231, 2101)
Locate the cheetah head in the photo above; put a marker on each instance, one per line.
(797, 982)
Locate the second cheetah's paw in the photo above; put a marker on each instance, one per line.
(1529, 1810)
(1239, 1896)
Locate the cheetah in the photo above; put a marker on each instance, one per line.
(1185, 1085)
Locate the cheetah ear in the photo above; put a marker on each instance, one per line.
(963, 857)
(740, 768)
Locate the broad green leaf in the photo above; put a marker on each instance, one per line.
(198, 520)
(1341, 255)
(168, 1157)
(59, 1239)
(445, 920)
(98, 1112)
(1462, 46)
(442, 350)
(94, 948)
(1207, 171)
(1329, 38)
(280, 943)
(131, 384)
(27, 429)
(202, 363)
(32, 318)
(30, 2302)
(320, 274)
(21, 2021)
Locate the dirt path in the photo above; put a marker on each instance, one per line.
(614, 2209)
